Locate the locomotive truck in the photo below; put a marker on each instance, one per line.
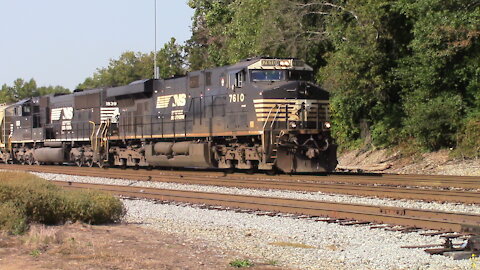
(258, 114)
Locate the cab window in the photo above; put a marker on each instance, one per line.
(26, 110)
(239, 78)
(267, 75)
(300, 75)
(18, 111)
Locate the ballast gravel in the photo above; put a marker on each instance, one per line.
(297, 243)
(290, 242)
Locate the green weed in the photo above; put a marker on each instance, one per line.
(272, 262)
(241, 263)
(35, 253)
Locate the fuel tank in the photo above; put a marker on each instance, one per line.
(48, 154)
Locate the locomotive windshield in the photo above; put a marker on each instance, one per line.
(300, 75)
(268, 75)
(281, 75)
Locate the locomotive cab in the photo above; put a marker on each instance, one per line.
(24, 120)
(294, 115)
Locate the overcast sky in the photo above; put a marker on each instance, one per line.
(59, 42)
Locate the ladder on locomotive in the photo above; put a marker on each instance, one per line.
(270, 149)
(99, 140)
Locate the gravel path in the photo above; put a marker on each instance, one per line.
(319, 196)
(298, 243)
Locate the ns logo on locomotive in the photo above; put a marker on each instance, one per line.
(258, 114)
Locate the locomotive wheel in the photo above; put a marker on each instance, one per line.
(101, 163)
(79, 162)
(89, 163)
(272, 172)
(30, 159)
(123, 166)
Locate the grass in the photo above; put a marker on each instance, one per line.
(41, 236)
(26, 199)
(35, 253)
(272, 262)
(238, 263)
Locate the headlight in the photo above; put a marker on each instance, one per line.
(327, 125)
(293, 125)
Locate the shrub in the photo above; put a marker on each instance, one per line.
(12, 218)
(94, 207)
(433, 122)
(469, 140)
(36, 200)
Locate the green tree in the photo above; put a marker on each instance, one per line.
(22, 89)
(226, 31)
(440, 75)
(46, 90)
(171, 60)
(207, 46)
(367, 39)
(132, 66)
(19, 90)
(245, 32)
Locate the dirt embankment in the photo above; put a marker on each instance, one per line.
(387, 161)
(79, 246)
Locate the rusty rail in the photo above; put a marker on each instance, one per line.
(455, 222)
(213, 179)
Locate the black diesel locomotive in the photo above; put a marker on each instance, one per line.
(259, 114)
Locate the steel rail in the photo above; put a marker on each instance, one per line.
(463, 182)
(447, 182)
(339, 188)
(426, 219)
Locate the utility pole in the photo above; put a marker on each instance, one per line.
(156, 72)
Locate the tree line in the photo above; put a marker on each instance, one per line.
(400, 72)
(21, 89)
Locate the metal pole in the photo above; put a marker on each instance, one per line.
(155, 69)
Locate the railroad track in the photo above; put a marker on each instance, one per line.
(438, 181)
(356, 213)
(263, 182)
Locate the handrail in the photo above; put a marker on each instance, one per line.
(104, 133)
(9, 145)
(276, 115)
(93, 133)
(268, 116)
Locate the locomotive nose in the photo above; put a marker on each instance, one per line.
(304, 89)
(292, 89)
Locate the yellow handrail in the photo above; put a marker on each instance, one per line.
(276, 115)
(104, 140)
(268, 116)
(91, 136)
